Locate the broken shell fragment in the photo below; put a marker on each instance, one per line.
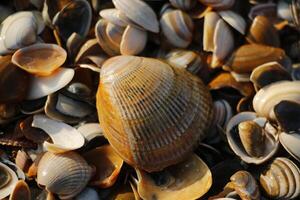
(40, 59)
(21, 191)
(64, 137)
(64, 174)
(190, 179)
(8, 180)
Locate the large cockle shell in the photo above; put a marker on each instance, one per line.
(281, 180)
(40, 59)
(64, 136)
(64, 174)
(108, 165)
(151, 113)
(8, 179)
(19, 30)
(177, 27)
(255, 141)
(139, 12)
(270, 95)
(189, 179)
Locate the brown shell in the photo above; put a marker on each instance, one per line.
(249, 56)
(152, 114)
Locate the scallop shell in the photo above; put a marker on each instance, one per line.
(64, 137)
(183, 4)
(7, 186)
(151, 138)
(21, 191)
(270, 95)
(177, 27)
(139, 12)
(64, 174)
(281, 180)
(189, 179)
(40, 59)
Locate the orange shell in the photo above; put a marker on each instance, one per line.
(152, 114)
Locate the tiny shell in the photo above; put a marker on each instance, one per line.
(64, 137)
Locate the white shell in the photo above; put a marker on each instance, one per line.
(133, 41)
(43, 86)
(90, 130)
(64, 174)
(291, 141)
(117, 17)
(139, 12)
(210, 22)
(7, 189)
(269, 96)
(64, 136)
(235, 20)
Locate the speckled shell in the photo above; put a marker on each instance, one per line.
(64, 174)
(152, 114)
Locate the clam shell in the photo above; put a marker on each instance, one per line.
(133, 41)
(90, 131)
(270, 95)
(281, 180)
(190, 179)
(114, 33)
(8, 187)
(271, 142)
(23, 161)
(218, 4)
(64, 174)
(64, 137)
(40, 59)
(114, 16)
(43, 86)
(234, 20)
(290, 141)
(151, 138)
(210, 22)
(89, 48)
(183, 4)
(139, 12)
(177, 27)
(249, 56)
(21, 191)
(108, 166)
(262, 31)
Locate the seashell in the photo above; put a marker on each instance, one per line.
(185, 59)
(14, 82)
(281, 179)
(108, 166)
(249, 56)
(89, 48)
(151, 82)
(254, 144)
(23, 161)
(222, 113)
(290, 141)
(234, 20)
(223, 43)
(287, 115)
(91, 132)
(78, 15)
(8, 180)
(64, 137)
(269, 73)
(139, 12)
(218, 4)
(262, 31)
(21, 191)
(183, 4)
(177, 27)
(133, 41)
(40, 59)
(43, 86)
(73, 44)
(64, 174)
(210, 22)
(88, 193)
(189, 179)
(51, 8)
(268, 9)
(20, 29)
(270, 95)
(114, 33)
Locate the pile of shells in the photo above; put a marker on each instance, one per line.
(141, 99)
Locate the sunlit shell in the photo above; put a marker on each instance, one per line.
(151, 138)
(23, 161)
(234, 20)
(270, 95)
(8, 180)
(108, 165)
(21, 191)
(64, 137)
(133, 41)
(40, 59)
(64, 174)
(190, 179)
(210, 22)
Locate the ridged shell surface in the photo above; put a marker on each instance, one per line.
(152, 114)
(64, 174)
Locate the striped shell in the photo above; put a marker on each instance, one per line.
(152, 114)
(183, 4)
(64, 174)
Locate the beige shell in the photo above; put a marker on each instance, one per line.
(183, 4)
(234, 20)
(8, 180)
(189, 179)
(21, 191)
(281, 180)
(139, 12)
(64, 174)
(177, 27)
(151, 113)
(133, 41)
(210, 22)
